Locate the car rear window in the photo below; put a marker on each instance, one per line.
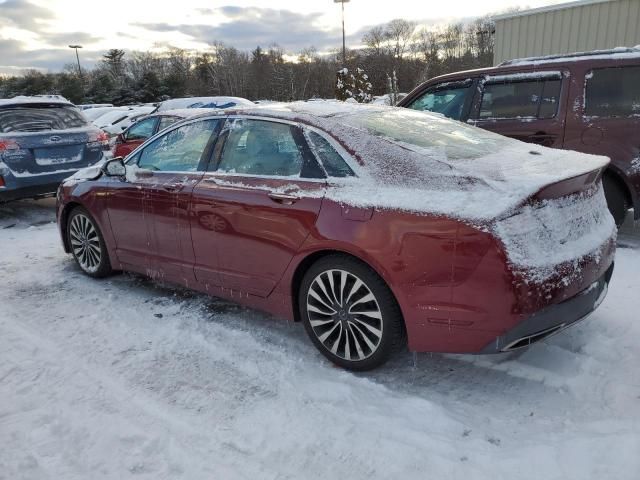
(36, 118)
(428, 133)
(613, 92)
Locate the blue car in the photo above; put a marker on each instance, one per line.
(42, 142)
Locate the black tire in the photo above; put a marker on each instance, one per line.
(616, 198)
(87, 244)
(351, 330)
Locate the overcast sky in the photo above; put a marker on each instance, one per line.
(36, 33)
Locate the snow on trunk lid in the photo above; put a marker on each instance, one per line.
(542, 237)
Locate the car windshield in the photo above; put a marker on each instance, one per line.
(427, 132)
(36, 118)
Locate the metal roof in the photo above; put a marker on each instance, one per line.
(548, 8)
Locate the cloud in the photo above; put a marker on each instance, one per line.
(65, 39)
(245, 28)
(23, 14)
(15, 58)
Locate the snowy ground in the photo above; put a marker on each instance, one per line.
(124, 378)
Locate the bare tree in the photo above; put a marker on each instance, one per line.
(399, 34)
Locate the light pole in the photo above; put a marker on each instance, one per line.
(76, 47)
(344, 46)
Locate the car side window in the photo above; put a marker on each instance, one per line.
(612, 92)
(331, 160)
(141, 130)
(260, 147)
(537, 98)
(179, 150)
(447, 100)
(167, 121)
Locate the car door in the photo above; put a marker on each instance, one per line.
(606, 120)
(453, 99)
(256, 206)
(170, 166)
(526, 106)
(125, 207)
(135, 136)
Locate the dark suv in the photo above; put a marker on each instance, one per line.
(589, 102)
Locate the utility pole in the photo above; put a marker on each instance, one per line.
(344, 45)
(76, 47)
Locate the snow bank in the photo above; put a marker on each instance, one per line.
(121, 378)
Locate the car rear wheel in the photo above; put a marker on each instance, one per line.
(87, 244)
(616, 198)
(350, 314)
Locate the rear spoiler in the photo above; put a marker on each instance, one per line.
(570, 185)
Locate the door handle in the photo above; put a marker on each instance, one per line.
(172, 187)
(542, 138)
(283, 198)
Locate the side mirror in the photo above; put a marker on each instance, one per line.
(114, 168)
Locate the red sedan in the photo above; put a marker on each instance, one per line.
(375, 227)
(139, 132)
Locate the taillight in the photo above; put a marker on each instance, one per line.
(99, 140)
(2, 184)
(6, 145)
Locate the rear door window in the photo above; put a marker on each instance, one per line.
(141, 130)
(331, 160)
(38, 118)
(515, 98)
(166, 121)
(259, 147)
(447, 99)
(613, 92)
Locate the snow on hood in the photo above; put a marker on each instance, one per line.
(424, 162)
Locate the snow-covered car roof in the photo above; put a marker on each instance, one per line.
(112, 116)
(618, 53)
(22, 99)
(203, 102)
(424, 162)
(184, 112)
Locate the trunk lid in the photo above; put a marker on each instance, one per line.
(52, 151)
(39, 138)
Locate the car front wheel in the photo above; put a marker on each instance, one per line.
(87, 244)
(349, 313)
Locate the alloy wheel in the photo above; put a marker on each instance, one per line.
(85, 243)
(344, 315)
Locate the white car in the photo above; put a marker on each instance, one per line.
(89, 106)
(117, 121)
(204, 102)
(93, 113)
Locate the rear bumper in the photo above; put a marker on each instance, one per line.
(30, 191)
(552, 319)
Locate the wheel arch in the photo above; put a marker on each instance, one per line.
(64, 218)
(311, 258)
(616, 174)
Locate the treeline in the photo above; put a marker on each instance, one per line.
(414, 53)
